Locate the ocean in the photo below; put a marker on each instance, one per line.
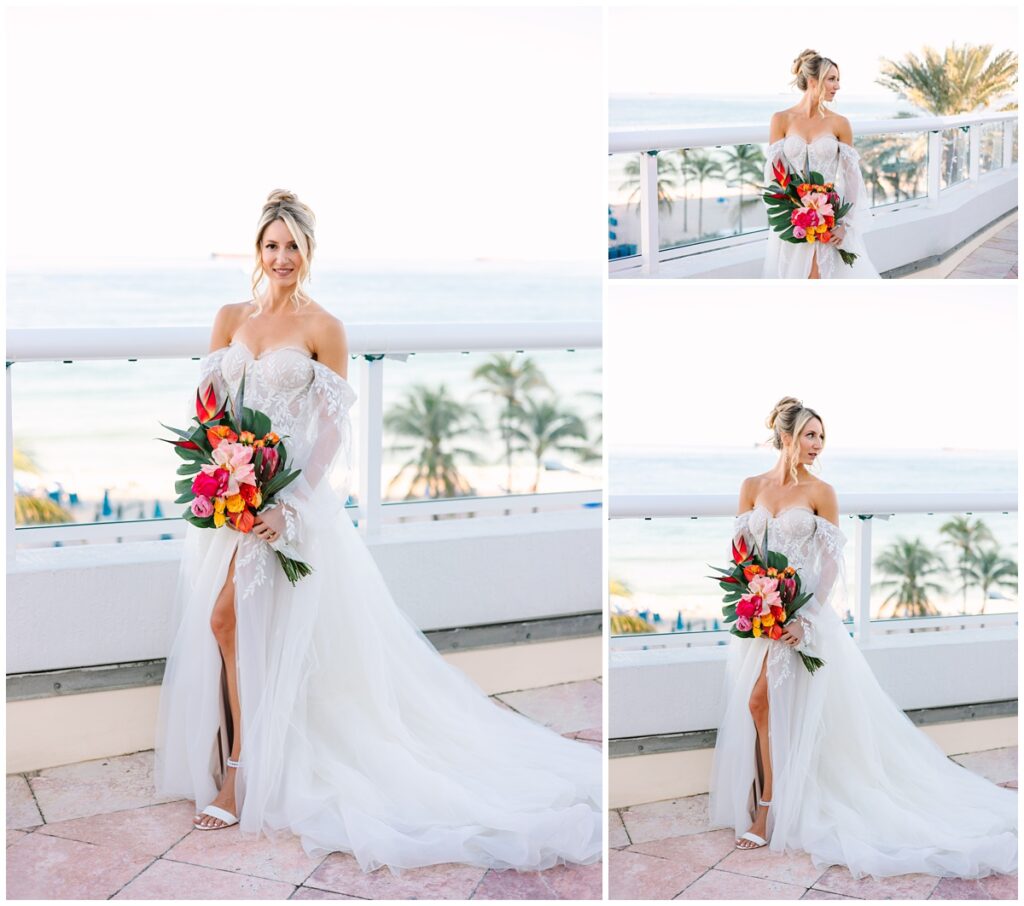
(664, 562)
(90, 426)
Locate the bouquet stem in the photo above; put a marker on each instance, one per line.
(293, 569)
(810, 662)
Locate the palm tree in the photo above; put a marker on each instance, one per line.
(666, 171)
(744, 166)
(545, 427)
(965, 536)
(961, 80)
(910, 564)
(30, 509)
(509, 379)
(700, 165)
(989, 569)
(432, 419)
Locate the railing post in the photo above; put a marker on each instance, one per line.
(371, 442)
(934, 165)
(650, 239)
(1008, 142)
(10, 474)
(862, 569)
(974, 135)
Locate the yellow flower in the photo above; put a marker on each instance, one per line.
(756, 628)
(810, 235)
(236, 504)
(767, 620)
(218, 518)
(218, 504)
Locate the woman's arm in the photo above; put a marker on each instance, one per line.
(748, 495)
(777, 128)
(332, 346)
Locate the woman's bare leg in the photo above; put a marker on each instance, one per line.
(222, 623)
(814, 274)
(759, 712)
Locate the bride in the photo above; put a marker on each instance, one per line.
(826, 762)
(810, 137)
(320, 709)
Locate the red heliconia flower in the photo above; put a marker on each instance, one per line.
(780, 174)
(206, 410)
(186, 444)
(740, 553)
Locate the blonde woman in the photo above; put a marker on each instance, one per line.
(826, 762)
(810, 137)
(320, 709)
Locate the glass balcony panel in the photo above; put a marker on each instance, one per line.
(623, 205)
(894, 166)
(444, 434)
(956, 145)
(991, 147)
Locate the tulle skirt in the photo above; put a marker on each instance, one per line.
(356, 734)
(855, 783)
(792, 261)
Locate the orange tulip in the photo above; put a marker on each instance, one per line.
(775, 632)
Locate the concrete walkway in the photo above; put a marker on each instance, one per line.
(95, 830)
(664, 851)
(992, 255)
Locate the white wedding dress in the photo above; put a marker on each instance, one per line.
(356, 734)
(854, 782)
(839, 163)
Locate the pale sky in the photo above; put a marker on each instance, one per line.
(158, 131)
(747, 48)
(904, 365)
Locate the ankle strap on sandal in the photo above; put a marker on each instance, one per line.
(234, 764)
(759, 801)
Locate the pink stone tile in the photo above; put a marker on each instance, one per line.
(1010, 784)
(997, 243)
(151, 830)
(824, 895)
(723, 885)
(94, 787)
(575, 882)
(793, 868)
(21, 806)
(695, 850)
(513, 885)
(978, 269)
(668, 818)
(901, 887)
(959, 889)
(1000, 887)
(566, 708)
(13, 836)
(617, 835)
(986, 252)
(594, 733)
(311, 893)
(283, 859)
(997, 765)
(41, 867)
(635, 876)
(165, 880)
(340, 872)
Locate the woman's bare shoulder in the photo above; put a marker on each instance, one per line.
(749, 491)
(228, 319)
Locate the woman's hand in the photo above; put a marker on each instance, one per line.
(792, 633)
(269, 524)
(838, 234)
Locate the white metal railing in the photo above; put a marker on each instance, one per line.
(862, 508)
(650, 142)
(370, 343)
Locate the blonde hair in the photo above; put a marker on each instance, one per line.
(812, 65)
(301, 222)
(790, 416)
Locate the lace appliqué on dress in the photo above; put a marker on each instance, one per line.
(253, 554)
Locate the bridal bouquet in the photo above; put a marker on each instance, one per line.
(804, 208)
(762, 593)
(238, 464)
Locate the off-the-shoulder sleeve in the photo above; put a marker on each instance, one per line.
(827, 571)
(329, 425)
(851, 188)
(772, 156)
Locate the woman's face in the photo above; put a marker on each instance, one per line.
(831, 84)
(810, 442)
(280, 254)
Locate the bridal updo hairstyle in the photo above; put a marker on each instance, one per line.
(790, 416)
(301, 222)
(812, 65)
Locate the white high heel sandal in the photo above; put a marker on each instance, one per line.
(753, 838)
(219, 813)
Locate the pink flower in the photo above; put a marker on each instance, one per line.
(767, 589)
(744, 624)
(235, 460)
(202, 507)
(799, 233)
(745, 607)
(206, 484)
(818, 201)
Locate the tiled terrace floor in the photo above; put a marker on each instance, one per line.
(96, 830)
(995, 257)
(664, 851)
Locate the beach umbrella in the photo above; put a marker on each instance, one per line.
(73, 498)
(679, 620)
(158, 512)
(107, 509)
